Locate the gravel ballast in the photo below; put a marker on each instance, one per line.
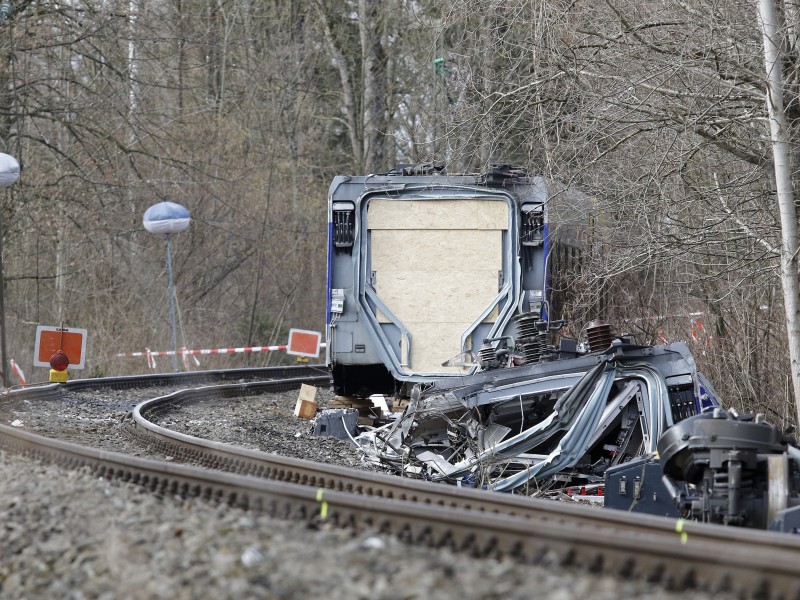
(68, 534)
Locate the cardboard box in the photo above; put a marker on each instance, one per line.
(306, 407)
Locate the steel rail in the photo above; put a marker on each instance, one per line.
(656, 531)
(225, 457)
(744, 562)
(754, 564)
(47, 390)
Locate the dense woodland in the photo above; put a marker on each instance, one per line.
(243, 111)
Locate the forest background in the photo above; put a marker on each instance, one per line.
(244, 110)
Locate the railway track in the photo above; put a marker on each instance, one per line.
(677, 554)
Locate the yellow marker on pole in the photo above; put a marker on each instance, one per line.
(679, 529)
(323, 508)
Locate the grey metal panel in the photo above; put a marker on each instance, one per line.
(342, 341)
(637, 486)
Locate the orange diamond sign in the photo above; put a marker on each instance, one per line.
(50, 340)
(304, 343)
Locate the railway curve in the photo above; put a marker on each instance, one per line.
(684, 554)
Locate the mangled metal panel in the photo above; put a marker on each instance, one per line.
(537, 426)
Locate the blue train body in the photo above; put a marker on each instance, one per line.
(423, 267)
(440, 289)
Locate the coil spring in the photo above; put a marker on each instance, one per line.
(531, 342)
(599, 335)
(487, 357)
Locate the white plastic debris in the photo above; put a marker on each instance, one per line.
(379, 401)
(16, 423)
(372, 543)
(252, 556)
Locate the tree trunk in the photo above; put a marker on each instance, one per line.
(374, 87)
(783, 186)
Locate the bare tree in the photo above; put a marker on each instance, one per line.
(657, 110)
(783, 183)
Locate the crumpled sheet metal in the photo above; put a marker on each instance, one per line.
(575, 442)
(568, 409)
(577, 412)
(574, 423)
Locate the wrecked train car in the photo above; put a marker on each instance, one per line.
(440, 287)
(535, 428)
(423, 266)
(718, 467)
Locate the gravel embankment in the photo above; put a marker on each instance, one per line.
(67, 534)
(265, 423)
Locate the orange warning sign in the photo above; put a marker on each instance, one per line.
(50, 340)
(304, 343)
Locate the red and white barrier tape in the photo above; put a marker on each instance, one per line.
(209, 351)
(18, 372)
(185, 354)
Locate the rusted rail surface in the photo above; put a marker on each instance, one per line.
(741, 562)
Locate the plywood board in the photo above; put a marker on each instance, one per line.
(437, 281)
(435, 295)
(446, 250)
(437, 214)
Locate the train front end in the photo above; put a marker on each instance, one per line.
(425, 270)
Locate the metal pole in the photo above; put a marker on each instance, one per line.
(171, 293)
(4, 371)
